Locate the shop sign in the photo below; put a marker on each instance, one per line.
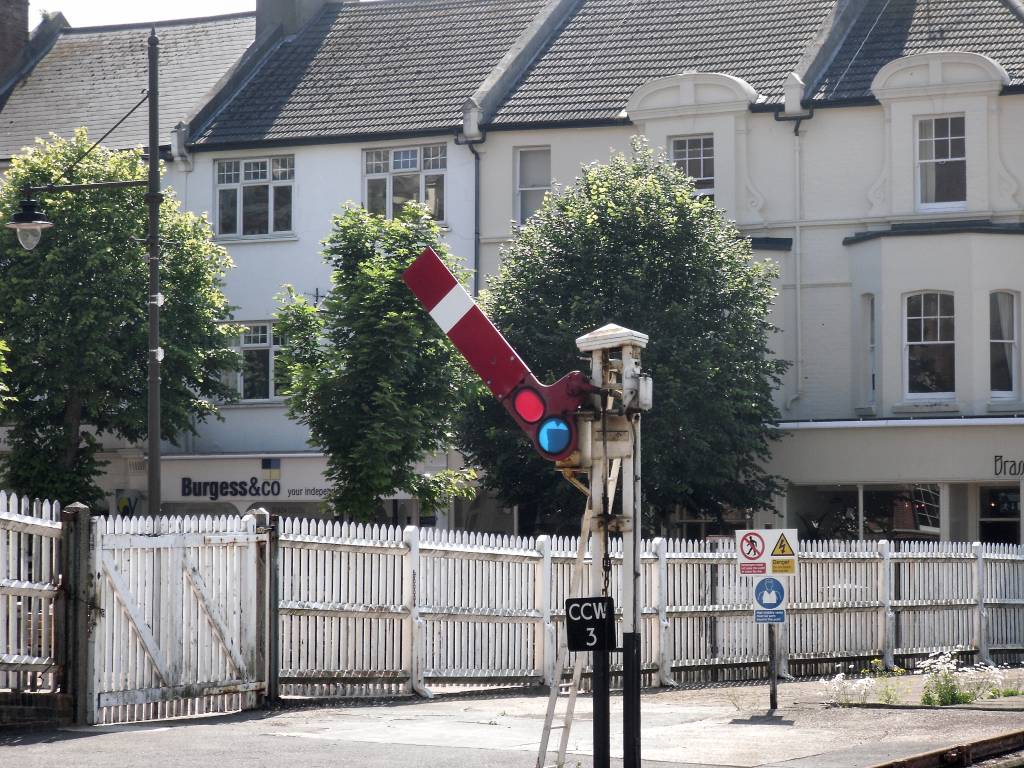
(1003, 467)
(767, 551)
(237, 481)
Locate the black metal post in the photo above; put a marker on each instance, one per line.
(631, 699)
(601, 685)
(773, 669)
(153, 199)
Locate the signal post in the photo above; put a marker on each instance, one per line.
(585, 425)
(624, 392)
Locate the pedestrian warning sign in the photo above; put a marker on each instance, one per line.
(767, 551)
(782, 548)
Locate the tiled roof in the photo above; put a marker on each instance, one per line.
(891, 29)
(610, 47)
(93, 76)
(384, 67)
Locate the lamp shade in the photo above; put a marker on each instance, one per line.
(29, 222)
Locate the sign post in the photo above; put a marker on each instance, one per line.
(769, 557)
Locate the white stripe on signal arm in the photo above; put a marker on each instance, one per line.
(452, 308)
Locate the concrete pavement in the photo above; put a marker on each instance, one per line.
(719, 727)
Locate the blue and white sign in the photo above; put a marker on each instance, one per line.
(770, 601)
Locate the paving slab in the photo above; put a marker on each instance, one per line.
(724, 726)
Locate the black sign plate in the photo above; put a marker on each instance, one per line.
(590, 623)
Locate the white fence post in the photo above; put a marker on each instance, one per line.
(662, 637)
(544, 638)
(980, 611)
(886, 617)
(413, 650)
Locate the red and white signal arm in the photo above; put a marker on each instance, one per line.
(545, 413)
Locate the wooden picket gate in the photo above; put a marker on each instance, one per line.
(177, 615)
(29, 576)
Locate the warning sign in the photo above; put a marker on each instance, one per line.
(770, 601)
(767, 551)
(751, 553)
(782, 548)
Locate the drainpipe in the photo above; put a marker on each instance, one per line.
(463, 141)
(793, 112)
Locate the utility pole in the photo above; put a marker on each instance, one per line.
(153, 200)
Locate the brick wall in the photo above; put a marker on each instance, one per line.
(13, 33)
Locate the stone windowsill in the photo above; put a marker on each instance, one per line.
(926, 406)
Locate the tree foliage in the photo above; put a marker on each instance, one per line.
(73, 312)
(628, 243)
(370, 372)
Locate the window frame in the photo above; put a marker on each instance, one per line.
(1014, 393)
(870, 348)
(926, 396)
(391, 172)
(272, 185)
(273, 345)
(698, 192)
(922, 206)
(517, 172)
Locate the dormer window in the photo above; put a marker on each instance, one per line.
(941, 164)
(695, 156)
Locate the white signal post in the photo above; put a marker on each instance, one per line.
(613, 429)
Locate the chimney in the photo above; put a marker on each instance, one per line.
(289, 15)
(13, 34)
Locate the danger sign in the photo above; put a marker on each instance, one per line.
(767, 552)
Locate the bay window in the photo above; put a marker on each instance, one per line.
(929, 364)
(1003, 344)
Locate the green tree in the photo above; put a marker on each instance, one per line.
(628, 243)
(73, 312)
(370, 372)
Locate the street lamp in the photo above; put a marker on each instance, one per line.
(29, 222)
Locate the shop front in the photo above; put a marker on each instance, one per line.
(915, 479)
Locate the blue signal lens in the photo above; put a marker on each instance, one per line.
(554, 435)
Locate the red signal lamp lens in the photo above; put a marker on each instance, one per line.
(528, 405)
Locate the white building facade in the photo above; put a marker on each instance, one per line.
(884, 178)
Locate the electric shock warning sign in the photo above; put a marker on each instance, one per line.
(767, 551)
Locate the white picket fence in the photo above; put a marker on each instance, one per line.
(175, 610)
(377, 610)
(29, 566)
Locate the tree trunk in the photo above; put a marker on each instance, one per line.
(72, 431)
